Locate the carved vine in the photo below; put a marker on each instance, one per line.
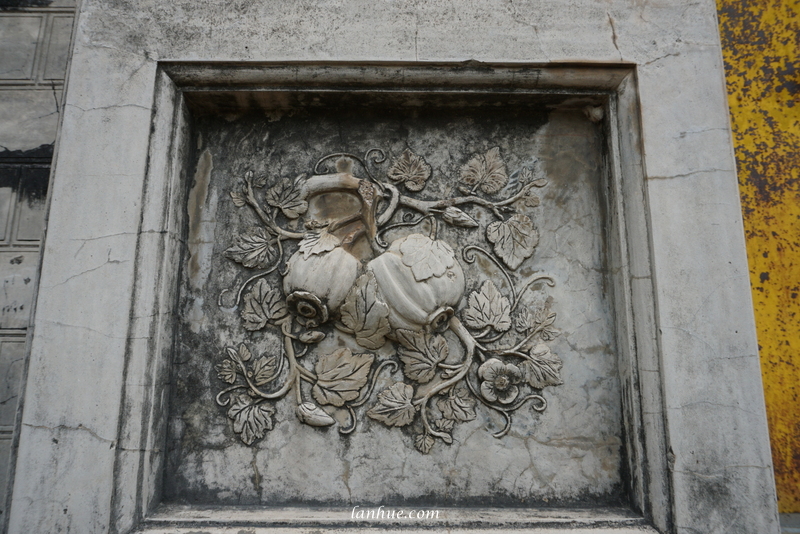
(408, 293)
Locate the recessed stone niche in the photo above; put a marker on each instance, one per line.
(432, 272)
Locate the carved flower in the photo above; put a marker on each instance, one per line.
(309, 310)
(499, 381)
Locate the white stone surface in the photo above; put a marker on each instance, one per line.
(711, 385)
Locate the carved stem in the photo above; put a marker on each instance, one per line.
(532, 396)
(483, 333)
(305, 374)
(507, 426)
(297, 389)
(514, 198)
(344, 221)
(261, 275)
(353, 422)
(379, 159)
(548, 279)
(278, 394)
(425, 206)
(514, 351)
(387, 214)
(403, 224)
(464, 254)
(293, 369)
(227, 390)
(469, 344)
(365, 397)
(266, 219)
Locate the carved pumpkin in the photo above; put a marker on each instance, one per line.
(315, 285)
(420, 280)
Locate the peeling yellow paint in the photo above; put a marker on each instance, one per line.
(761, 48)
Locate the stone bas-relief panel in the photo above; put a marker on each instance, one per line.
(395, 306)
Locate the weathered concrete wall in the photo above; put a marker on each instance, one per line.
(34, 46)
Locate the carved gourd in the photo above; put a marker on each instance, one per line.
(420, 280)
(321, 273)
(315, 285)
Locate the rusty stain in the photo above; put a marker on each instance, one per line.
(761, 46)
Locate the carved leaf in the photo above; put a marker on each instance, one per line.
(241, 354)
(488, 307)
(226, 371)
(420, 354)
(545, 318)
(514, 239)
(262, 304)
(444, 425)
(426, 257)
(254, 249)
(527, 178)
(264, 370)
(528, 200)
(548, 334)
(542, 318)
(340, 376)
(410, 169)
(363, 314)
(394, 406)
(424, 443)
(289, 197)
(457, 217)
(543, 368)
(524, 321)
(487, 171)
(244, 353)
(318, 242)
(250, 421)
(239, 200)
(460, 406)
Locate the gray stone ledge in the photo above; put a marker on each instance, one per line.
(180, 519)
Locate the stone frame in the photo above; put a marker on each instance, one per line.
(139, 458)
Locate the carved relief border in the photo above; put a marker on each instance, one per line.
(139, 469)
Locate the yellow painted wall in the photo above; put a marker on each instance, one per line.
(761, 48)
